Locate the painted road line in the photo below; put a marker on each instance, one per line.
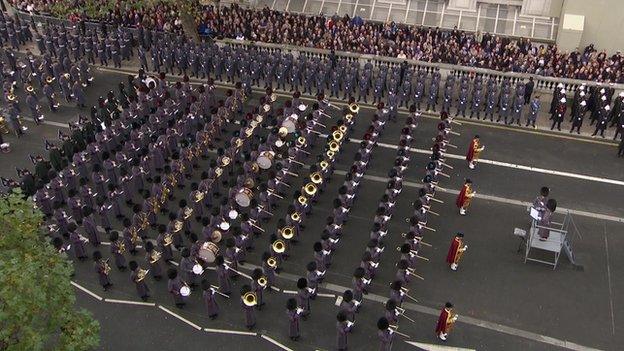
(496, 198)
(275, 342)
(424, 114)
(180, 318)
(326, 295)
(50, 123)
(476, 322)
(89, 292)
(434, 347)
(289, 292)
(509, 165)
(226, 331)
(128, 302)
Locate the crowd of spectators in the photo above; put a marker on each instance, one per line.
(392, 39)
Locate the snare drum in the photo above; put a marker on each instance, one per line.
(265, 160)
(243, 197)
(224, 226)
(208, 252)
(233, 214)
(185, 291)
(290, 124)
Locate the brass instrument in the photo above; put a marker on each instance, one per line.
(249, 131)
(155, 204)
(337, 135)
(310, 189)
(177, 226)
(342, 129)
(288, 232)
(330, 155)
(144, 220)
(354, 108)
(302, 200)
(164, 195)
(255, 167)
(106, 266)
(11, 97)
(349, 117)
(155, 256)
(188, 211)
(121, 247)
(262, 281)
(134, 236)
(301, 141)
(199, 196)
(249, 183)
(141, 274)
(3, 126)
(273, 97)
(324, 164)
(238, 142)
(316, 178)
(452, 318)
(282, 131)
(250, 299)
(168, 239)
(272, 262)
(333, 145)
(266, 107)
(295, 216)
(218, 171)
(460, 252)
(279, 246)
(225, 161)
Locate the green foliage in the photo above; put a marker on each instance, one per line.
(36, 298)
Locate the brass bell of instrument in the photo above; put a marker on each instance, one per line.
(316, 178)
(288, 232)
(354, 108)
(266, 107)
(342, 129)
(262, 281)
(330, 155)
(310, 189)
(302, 200)
(282, 131)
(273, 97)
(279, 246)
(225, 161)
(333, 146)
(349, 117)
(324, 164)
(272, 262)
(250, 299)
(337, 136)
(301, 141)
(295, 216)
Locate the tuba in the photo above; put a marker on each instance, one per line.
(310, 189)
(250, 299)
(288, 232)
(279, 246)
(316, 178)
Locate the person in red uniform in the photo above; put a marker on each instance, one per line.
(474, 150)
(465, 197)
(445, 321)
(456, 250)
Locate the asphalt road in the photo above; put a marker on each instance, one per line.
(503, 303)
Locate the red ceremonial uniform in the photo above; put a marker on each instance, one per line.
(464, 197)
(456, 244)
(473, 150)
(444, 322)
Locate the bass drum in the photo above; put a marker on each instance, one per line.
(208, 252)
(243, 197)
(265, 160)
(290, 124)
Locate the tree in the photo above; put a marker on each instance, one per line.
(37, 300)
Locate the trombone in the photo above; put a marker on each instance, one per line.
(415, 253)
(261, 208)
(326, 102)
(410, 271)
(404, 292)
(275, 194)
(253, 224)
(215, 289)
(394, 329)
(430, 197)
(402, 313)
(419, 238)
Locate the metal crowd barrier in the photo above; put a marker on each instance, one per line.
(543, 84)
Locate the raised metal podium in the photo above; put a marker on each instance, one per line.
(548, 251)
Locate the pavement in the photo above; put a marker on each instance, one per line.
(503, 303)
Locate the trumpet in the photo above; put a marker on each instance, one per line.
(262, 281)
(301, 141)
(337, 135)
(394, 329)
(288, 232)
(324, 164)
(310, 189)
(279, 246)
(250, 299)
(106, 267)
(316, 178)
(272, 262)
(330, 155)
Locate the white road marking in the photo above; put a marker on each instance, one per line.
(180, 318)
(289, 292)
(510, 165)
(50, 123)
(434, 347)
(609, 280)
(275, 342)
(226, 331)
(89, 292)
(326, 295)
(128, 302)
